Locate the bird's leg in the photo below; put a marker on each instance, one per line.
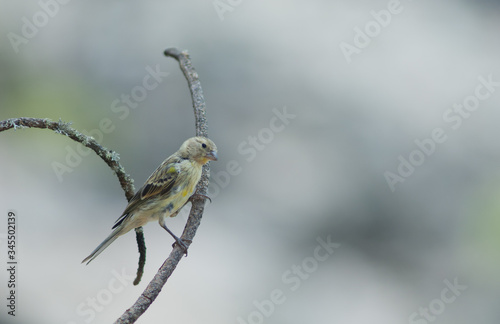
(177, 239)
(200, 196)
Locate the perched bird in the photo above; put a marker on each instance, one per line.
(165, 192)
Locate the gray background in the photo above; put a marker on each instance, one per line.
(321, 176)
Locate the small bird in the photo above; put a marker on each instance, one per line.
(165, 192)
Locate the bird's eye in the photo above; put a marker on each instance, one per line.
(204, 145)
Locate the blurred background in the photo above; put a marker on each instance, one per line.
(317, 109)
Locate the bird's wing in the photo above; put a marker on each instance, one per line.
(162, 180)
(159, 183)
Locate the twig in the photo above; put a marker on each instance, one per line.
(110, 157)
(141, 246)
(159, 280)
(194, 87)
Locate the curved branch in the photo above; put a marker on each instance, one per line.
(196, 213)
(194, 87)
(141, 246)
(110, 157)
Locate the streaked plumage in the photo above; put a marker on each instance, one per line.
(165, 192)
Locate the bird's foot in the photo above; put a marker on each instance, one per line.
(181, 243)
(199, 197)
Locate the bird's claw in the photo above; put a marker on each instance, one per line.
(183, 245)
(200, 196)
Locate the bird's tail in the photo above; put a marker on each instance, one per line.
(110, 239)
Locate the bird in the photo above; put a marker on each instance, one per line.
(165, 192)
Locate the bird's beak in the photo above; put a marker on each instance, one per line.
(212, 156)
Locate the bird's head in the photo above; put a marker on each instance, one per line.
(199, 149)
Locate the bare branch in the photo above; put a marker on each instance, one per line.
(194, 87)
(110, 157)
(141, 246)
(196, 213)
